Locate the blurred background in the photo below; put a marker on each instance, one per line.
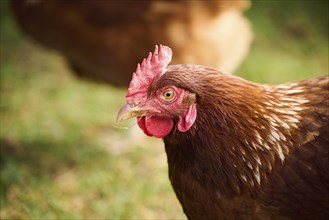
(64, 70)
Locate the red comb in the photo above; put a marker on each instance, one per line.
(153, 66)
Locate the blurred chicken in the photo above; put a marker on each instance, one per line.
(104, 40)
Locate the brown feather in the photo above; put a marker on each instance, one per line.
(254, 152)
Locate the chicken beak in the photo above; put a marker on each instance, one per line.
(127, 112)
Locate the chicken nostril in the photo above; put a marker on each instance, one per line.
(135, 103)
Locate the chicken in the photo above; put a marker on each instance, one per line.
(103, 40)
(236, 149)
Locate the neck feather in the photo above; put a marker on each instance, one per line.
(240, 134)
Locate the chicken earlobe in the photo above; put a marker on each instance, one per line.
(187, 120)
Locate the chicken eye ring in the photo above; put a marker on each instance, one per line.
(168, 95)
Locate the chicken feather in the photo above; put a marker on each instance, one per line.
(253, 152)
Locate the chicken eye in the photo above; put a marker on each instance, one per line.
(168, 94)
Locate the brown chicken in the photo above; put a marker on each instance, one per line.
(236, 149)
(103, 40)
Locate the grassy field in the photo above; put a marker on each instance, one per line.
(62, 157)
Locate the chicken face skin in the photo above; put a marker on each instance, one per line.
(163, 110)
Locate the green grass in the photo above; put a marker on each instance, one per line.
(290, 42)
(61, 156)
(57, 158)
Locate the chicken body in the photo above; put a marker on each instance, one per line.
(255, 151)
(236, 149)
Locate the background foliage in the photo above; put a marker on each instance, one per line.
(63, 158)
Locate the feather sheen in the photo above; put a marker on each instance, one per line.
(255, 151)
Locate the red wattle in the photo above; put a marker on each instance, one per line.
(141, 124)
(155, 126)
